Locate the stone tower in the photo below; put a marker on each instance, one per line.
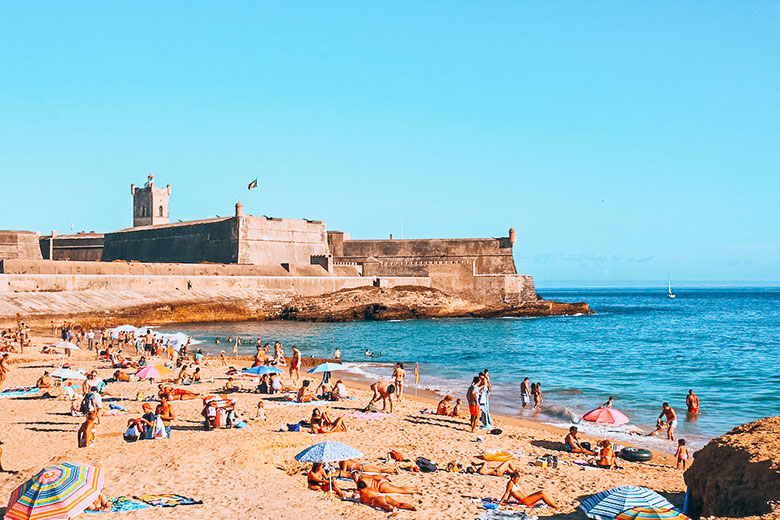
(150, 204)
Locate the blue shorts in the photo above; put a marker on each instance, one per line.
(168, 431)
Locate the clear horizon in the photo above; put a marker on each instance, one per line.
(622, 141)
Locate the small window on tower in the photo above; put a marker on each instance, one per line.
(161, 211)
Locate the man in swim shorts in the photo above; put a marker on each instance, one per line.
(472, 398)
(671, 419)
(525, 393)
(384, 391)
(692, 402)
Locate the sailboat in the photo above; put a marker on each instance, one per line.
(671, 294)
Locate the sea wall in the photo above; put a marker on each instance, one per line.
(272, 241)
(299, 285)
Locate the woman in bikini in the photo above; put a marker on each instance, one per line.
(513, 491)
(318, 426)
(318, 480)
(499, 471)
(606, 457)
(346, 467)
(382, 484)
(372, 498)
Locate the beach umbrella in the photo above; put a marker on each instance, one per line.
(327, 367)
(65, 345)
(60, 492)
(330, 451)
(154, 372)
(218, 400)
(608, 504)
(66, 373)
(260, 370)
(651, 513)
(603, 415)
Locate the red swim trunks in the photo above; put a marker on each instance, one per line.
(474, 409)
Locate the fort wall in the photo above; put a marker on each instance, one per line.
(81, 247)
(276, 241)
(19, 245)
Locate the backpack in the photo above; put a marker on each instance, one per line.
(86, 404)
(426, 465)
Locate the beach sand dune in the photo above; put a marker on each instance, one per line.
(251, 472)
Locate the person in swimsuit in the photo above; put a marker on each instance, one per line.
(399, 376)
(444, 406)
(455, 412)
(318, 480)
(86, 434)
(165, 412)
(607, 458)
(500, 470)
(671, 419)
(513, 491)
(471, 396)
(304, 395)
(609, 402)
(692, 402)
(346, 467)
(44, 381)
(525, 393)
(384, 391)
(682, 454)
(295, 364)
(382, 484)
(572, 444)
(372, 498)
(259, 356)
(319, 426)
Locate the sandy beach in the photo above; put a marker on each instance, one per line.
(251, 472)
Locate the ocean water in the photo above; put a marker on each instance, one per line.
(641, 347)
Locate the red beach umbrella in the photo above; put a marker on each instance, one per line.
(603, 415)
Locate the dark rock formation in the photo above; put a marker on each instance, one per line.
(737, 474)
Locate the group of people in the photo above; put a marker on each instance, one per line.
(530, 392)
(15, 339)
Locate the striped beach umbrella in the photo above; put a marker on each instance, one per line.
(607, 505)
(57, 493)
(651, 513)
(154, 372)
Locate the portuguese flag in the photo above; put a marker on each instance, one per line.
(253, 184)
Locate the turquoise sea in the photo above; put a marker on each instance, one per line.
(641, 347)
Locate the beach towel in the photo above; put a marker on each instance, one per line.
(369, 415)
(167, 500)
(310, 403)
(500, 514)
(120, 504)
(117, 407)
(15, 392)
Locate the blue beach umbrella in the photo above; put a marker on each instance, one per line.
(329, 451)
(327, 367)
(608, 504)
(261, 370)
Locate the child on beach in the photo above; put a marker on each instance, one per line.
(260, 411)
(682, 454)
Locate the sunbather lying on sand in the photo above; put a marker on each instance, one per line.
(382, 484)
(346, 467)
(499, 471)
(177, 394)
(372, 498)
(318, 426)
(318, 480)
(101, 503)
(513, 491)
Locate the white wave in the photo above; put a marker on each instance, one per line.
(175, 338)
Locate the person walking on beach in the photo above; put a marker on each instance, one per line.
(692, 402)
(671, 419)
(399, 376)
(471, 397)
(525, 393)
(682, 454)
(295, 364)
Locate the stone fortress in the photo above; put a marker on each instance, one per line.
(254, 253)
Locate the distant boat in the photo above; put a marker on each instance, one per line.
(671, 294)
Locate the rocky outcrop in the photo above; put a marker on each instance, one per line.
(412, 302)
(737, 474)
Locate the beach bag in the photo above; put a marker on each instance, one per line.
(158, 432)
(426, 465)
(294, 427)
(86, 404)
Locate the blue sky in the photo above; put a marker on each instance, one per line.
(624, 140)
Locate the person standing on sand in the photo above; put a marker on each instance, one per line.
(525, 393)
(165, 412)
(671, 419)
(692, 402)
(483, 399)
(295, 364)
(384, 391)
(399, 375)
(3, 368)
(471, 396)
